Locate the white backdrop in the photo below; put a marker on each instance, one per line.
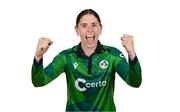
(155, 25)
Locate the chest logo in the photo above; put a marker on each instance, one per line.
(103, 64)
(75, 65)
(83, 85)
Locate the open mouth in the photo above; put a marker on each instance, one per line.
(90, 38)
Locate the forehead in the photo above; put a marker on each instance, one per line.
(88, 18)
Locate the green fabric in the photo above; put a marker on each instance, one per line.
(94, 90)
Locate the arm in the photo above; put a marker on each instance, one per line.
(130, 72)
(42, 76)
(134, 73)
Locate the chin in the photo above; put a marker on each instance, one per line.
(91, 45)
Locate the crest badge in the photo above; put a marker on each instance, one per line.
(103, 64)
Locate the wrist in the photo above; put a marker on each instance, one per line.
(132, 55)
(38, 58)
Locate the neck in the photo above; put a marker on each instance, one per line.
(88, 50)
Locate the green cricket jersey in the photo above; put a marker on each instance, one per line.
(90, 80)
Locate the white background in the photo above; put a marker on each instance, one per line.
(155, 25)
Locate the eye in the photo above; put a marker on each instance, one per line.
(94, 25)
(83, 25)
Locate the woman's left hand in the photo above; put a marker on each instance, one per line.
(128, 44)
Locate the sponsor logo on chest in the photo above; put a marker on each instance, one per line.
(88, 85)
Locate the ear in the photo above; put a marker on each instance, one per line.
(76, 29)
(101, 29)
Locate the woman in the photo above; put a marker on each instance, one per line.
(90, 67)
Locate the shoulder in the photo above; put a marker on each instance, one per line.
(113, 50)
(68, 51)
(62, 55)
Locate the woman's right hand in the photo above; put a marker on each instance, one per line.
(43, 46)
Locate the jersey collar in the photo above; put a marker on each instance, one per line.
(80, 52)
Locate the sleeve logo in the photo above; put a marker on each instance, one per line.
(121, 55)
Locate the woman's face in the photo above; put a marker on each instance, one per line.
(89, 30)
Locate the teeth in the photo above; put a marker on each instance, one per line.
(89, 35)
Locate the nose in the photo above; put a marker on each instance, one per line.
(89, 29)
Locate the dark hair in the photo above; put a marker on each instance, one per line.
(85, 12)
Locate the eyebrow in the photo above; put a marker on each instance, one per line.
(86, 23)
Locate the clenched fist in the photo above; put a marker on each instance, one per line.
(128, 44)
(42, 47)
